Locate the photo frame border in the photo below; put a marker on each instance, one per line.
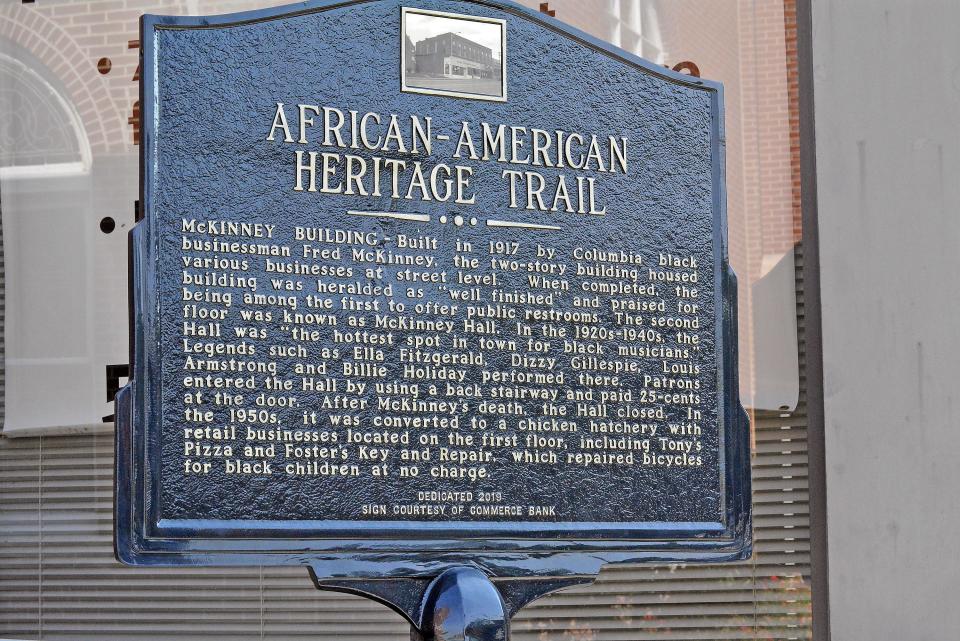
(404, 87)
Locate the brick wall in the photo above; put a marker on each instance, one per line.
(70, 37)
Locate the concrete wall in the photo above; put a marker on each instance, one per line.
(887, 92)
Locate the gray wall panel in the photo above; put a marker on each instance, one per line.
(887, 92)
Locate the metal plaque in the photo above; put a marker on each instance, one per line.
(427, 283)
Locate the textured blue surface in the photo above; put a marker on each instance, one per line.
(209, 99)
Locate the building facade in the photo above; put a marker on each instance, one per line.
(452, 56)
(409, 56)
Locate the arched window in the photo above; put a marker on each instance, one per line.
(40, 131)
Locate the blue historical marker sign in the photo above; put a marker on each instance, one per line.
(422, 284)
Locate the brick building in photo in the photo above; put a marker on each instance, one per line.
(454, 56)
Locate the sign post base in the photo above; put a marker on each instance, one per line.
(460, 603)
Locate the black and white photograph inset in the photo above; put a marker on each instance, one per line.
(453, 55)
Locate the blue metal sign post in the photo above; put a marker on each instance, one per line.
(433, 298)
